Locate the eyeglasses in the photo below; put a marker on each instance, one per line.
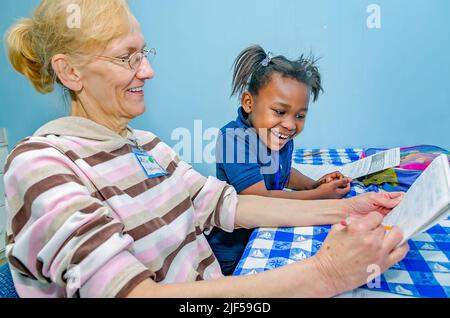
(135, 59)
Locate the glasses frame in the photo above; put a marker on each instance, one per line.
(145, 53)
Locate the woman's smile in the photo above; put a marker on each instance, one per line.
(136, 91)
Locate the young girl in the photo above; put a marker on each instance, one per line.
(254, 152)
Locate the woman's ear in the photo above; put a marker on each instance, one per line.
(67, 74)
(247, 102)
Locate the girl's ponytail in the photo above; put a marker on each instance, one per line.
(245, 65)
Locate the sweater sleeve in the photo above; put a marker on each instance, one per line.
(214, 201)
(63, 242)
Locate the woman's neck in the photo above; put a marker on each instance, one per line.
(115, 124)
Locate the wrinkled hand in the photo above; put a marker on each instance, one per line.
(381, 202)
(330, 177)
(335, 189)
(344, 259)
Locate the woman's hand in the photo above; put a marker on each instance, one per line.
(350, 254)
(335, 189)
(381, 202)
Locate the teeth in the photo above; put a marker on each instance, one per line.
(136, 89)
(277, 134)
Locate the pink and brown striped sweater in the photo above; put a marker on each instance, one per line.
(84, 220)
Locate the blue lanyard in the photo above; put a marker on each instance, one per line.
(277, 184)
(278, 175)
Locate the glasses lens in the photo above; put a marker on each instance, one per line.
(151, 53)
(136, 60)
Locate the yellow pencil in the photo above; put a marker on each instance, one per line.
(312, 154)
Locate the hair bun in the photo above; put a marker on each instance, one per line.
(23, 57)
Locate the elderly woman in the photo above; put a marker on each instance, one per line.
(98, 209)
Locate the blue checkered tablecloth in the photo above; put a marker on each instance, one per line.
(425, 271)
(337, 157)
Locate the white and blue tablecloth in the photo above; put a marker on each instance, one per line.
(425, 271)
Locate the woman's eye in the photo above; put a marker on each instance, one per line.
(124, 58)
(279, 112)
(301, 116)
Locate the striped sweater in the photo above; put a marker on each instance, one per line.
(84, 220)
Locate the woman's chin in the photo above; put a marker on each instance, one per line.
(136, 110)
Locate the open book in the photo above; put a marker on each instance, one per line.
(360, 168)
(426, 203)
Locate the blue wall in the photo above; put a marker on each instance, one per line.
(383, 87)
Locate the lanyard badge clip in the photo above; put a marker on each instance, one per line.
(148, 163)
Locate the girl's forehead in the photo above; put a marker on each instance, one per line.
(285, 85)
(287, 91)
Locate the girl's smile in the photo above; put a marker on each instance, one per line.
(281, 138)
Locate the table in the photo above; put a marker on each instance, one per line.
(425, 271)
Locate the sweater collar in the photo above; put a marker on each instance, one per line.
(80, 127)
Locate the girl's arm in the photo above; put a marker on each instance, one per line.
(298, 181)
(335, 189)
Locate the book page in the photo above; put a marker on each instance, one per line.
(380, 161)
(426, 202)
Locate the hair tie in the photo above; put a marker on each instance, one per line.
(267, 60)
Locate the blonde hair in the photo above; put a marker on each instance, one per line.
(32, 42)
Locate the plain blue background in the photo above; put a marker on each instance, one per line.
(383, 87)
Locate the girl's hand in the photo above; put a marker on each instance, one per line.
(330, 177)
(381, 202)
(335, 189)
(350, 254)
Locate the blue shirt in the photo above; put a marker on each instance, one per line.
(242, 160)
